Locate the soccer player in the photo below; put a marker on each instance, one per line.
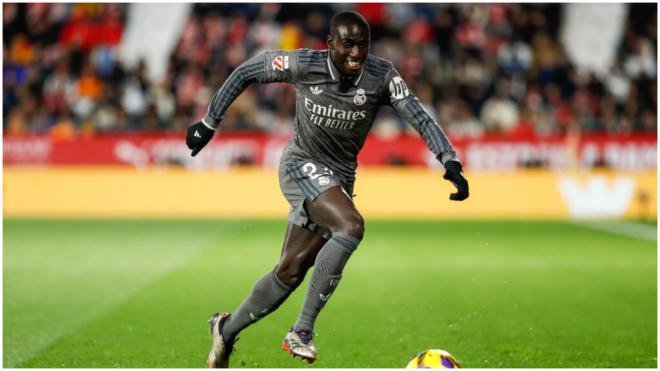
(338, 93)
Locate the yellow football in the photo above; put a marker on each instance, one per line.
(433, 358)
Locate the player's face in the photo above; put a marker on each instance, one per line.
(349, 47)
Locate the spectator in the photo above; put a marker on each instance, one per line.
(584, 109)
(514, 56)
(618, 82)
(641, 61)
(463, 124)
(133, 100)
(500, 113)
(164, 101)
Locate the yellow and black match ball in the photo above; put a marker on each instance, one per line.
(433, 358)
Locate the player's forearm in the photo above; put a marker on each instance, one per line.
(431, 132)
(247, 73)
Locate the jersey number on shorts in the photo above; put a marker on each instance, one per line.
(309, 169)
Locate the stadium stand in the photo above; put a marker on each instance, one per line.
(479, 68)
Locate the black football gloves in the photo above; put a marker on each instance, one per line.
(197, 136)
(454, 174)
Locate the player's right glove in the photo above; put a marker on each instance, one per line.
(454, 174)
(197, 136)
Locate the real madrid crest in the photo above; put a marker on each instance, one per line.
(359, 98)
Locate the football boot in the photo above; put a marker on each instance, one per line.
(298, 343)
(221, 349)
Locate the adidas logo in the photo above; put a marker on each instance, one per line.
(197, 134)
(315, 90)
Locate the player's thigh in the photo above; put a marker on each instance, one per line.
(335, 210)
(303, 181)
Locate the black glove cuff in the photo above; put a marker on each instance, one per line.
(211, 122)
(453, 166)
(206, 131)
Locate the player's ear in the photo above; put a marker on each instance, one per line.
(329, 41)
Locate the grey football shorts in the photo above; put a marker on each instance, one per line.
(303, 179)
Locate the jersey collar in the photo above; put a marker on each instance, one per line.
(335, 74)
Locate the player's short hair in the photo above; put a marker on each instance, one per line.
(348, 17)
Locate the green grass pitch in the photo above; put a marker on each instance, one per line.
(138, 293)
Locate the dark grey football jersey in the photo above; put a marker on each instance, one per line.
(332, 118)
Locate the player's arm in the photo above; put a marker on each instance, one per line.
(410, 108)
(271, 66)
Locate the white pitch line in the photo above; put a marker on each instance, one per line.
(622, 227)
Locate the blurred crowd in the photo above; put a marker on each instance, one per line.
(478, 68)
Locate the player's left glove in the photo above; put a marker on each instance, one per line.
(454, 174)
(197, 136)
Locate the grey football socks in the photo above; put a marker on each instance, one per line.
(266, 296)
(327, 272)
(270, 292)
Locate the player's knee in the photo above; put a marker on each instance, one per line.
(290, 275)
(353, 226)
